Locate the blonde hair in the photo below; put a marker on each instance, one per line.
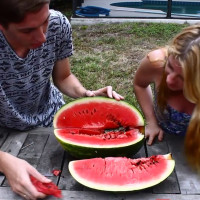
(186, 48)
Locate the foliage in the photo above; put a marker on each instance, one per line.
(57, 3)
(64, 6)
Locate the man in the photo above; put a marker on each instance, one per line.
(35, 44)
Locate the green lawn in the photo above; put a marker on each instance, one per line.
(110, 54)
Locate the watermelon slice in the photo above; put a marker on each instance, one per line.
(121, 173)
(46, 188)
(99, 127)
(102, 145)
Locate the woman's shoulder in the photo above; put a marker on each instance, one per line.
(157, 57)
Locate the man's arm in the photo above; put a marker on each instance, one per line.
(69, 85)
(65, 81)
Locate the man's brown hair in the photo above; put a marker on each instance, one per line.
(14, 11)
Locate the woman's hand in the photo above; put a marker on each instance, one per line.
(106, 91)
(152, 131)
(18, 172)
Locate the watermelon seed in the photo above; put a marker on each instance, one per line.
(107, 136)
(113, 119)
(142, 167)
(138, 163)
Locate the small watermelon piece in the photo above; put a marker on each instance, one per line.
(121, 173)
(46, 188)
(91, 127)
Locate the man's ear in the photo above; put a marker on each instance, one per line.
(2, 28)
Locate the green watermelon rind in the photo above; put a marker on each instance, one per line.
(79, 150)
(98, 99)
(122, 188)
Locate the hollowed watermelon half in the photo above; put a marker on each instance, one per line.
(99, 127)
(121, 173)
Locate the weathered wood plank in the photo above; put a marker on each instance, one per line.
(7, 194)
(2, 178)
(3, 135)
(51, 158)
(14, 143)
(41, 130)
(170, 185)
(158, 148)
(141, 153)
(67, 182)
(189, 180)
(33, 146)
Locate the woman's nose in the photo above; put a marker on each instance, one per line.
(171, 77)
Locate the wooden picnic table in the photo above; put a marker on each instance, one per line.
(40, 148)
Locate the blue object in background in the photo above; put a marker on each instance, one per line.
(92, 11)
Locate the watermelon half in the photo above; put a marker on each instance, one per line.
(121, 173)
(99, 127)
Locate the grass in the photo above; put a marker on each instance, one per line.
(109, 54)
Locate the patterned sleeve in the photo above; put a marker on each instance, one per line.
(64, 46)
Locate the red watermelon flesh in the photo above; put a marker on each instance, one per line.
(98, 112)
(98, 137)
(121, 173)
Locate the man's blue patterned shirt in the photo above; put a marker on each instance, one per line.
(28, 98)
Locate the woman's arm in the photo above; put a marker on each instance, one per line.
(146, 74)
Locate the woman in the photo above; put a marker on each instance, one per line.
(175, 72)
